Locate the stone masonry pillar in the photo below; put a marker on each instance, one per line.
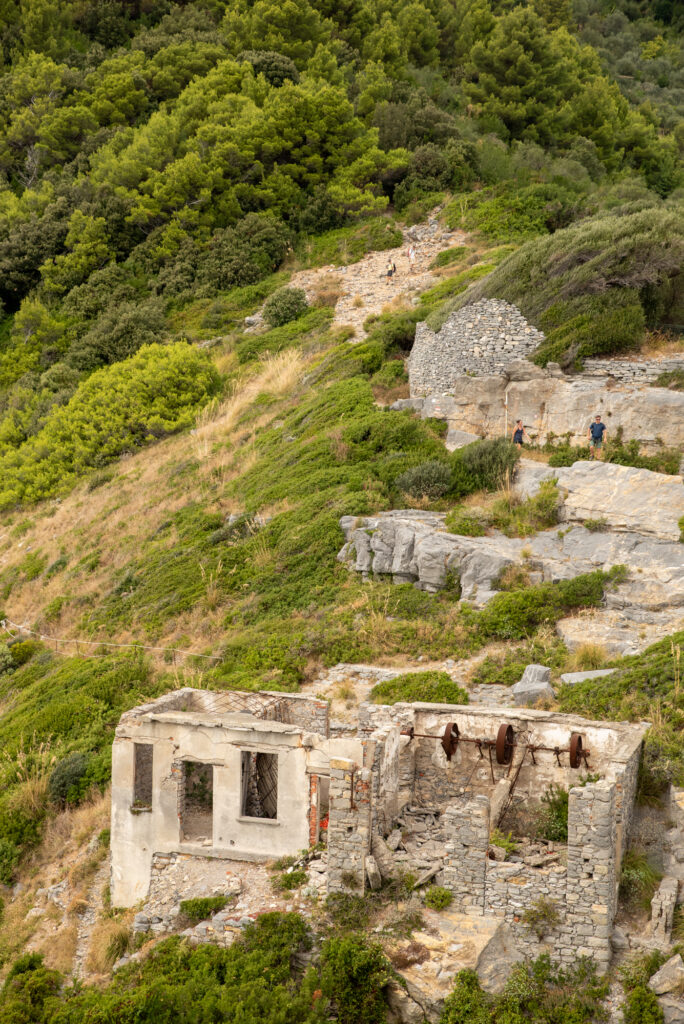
(466, 831)
(349, 825)
(592, 882)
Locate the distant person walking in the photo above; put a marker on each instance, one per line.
(597, 434)
(411, 253)
(519, 433)
(391, 269)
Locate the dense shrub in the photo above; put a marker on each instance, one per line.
(438, 898)
(553, 818)
(429, 479)
(431, 686)
(642, 1007)
(515, 615)
(202, 907)
(240, 255)
(66, 776)
(284, 305)
(275, 67)
(354, 975)
(592, 285)
(488, 464)
(119, 333)
(638, 881)
(535, 991)
(156, 392)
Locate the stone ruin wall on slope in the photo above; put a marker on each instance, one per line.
(477, 374)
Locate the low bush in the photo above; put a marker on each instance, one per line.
(289, 880)
(468, 522)
(438, 898)
(637, 970)
(201, 908)
(432, 687)
(536, 990)
(429, 479)
(642, 1007)
(541, 917)
(517, 614)
(666, 460)
(553, 816)
(503, 841)
(285, 305)
(673, 379)
(489, 463)
(63, 784)
(638, 881)
(354, 974)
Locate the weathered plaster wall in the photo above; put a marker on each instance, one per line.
(177, 736)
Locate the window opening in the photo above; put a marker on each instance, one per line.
(142, 774)
(197, 802)
(259, 785)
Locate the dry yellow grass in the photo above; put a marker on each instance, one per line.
(110, 523)
(59, 949)
(109, 940)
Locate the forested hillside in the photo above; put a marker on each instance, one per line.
(171, 477)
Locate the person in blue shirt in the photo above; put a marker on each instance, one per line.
(597, 435)
(519, 433)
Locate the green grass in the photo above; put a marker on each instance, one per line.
(645, 687)
(348, 245)
(432, 687)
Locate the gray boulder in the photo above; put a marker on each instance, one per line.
(533, 686)
(571, 678)
(669, 977)
(673, 1009)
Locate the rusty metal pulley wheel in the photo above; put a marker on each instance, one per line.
(450, 740)
(505, 741)
(576, 747)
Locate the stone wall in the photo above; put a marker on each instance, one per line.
(349, 826)
(632, 371)
(478, 339)
(584, 895)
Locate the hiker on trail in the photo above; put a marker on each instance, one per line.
(411, 253)
(390, 269)
(597, 434)
(518, 433)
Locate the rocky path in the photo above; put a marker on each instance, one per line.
(88, 919)
(366, 289)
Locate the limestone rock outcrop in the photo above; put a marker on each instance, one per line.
(413, 546)
(624, 498)
(549, 404)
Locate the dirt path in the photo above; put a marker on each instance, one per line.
(88, 919)
(366, 290)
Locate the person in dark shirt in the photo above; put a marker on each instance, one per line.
(518, 433)
(597, 434)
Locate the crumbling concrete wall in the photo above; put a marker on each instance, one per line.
(349, 826)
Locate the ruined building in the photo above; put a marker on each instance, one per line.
(249, 776)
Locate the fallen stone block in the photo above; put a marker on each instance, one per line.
(373, 873)
(669, 977)
(572, 678)
(533, 686)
